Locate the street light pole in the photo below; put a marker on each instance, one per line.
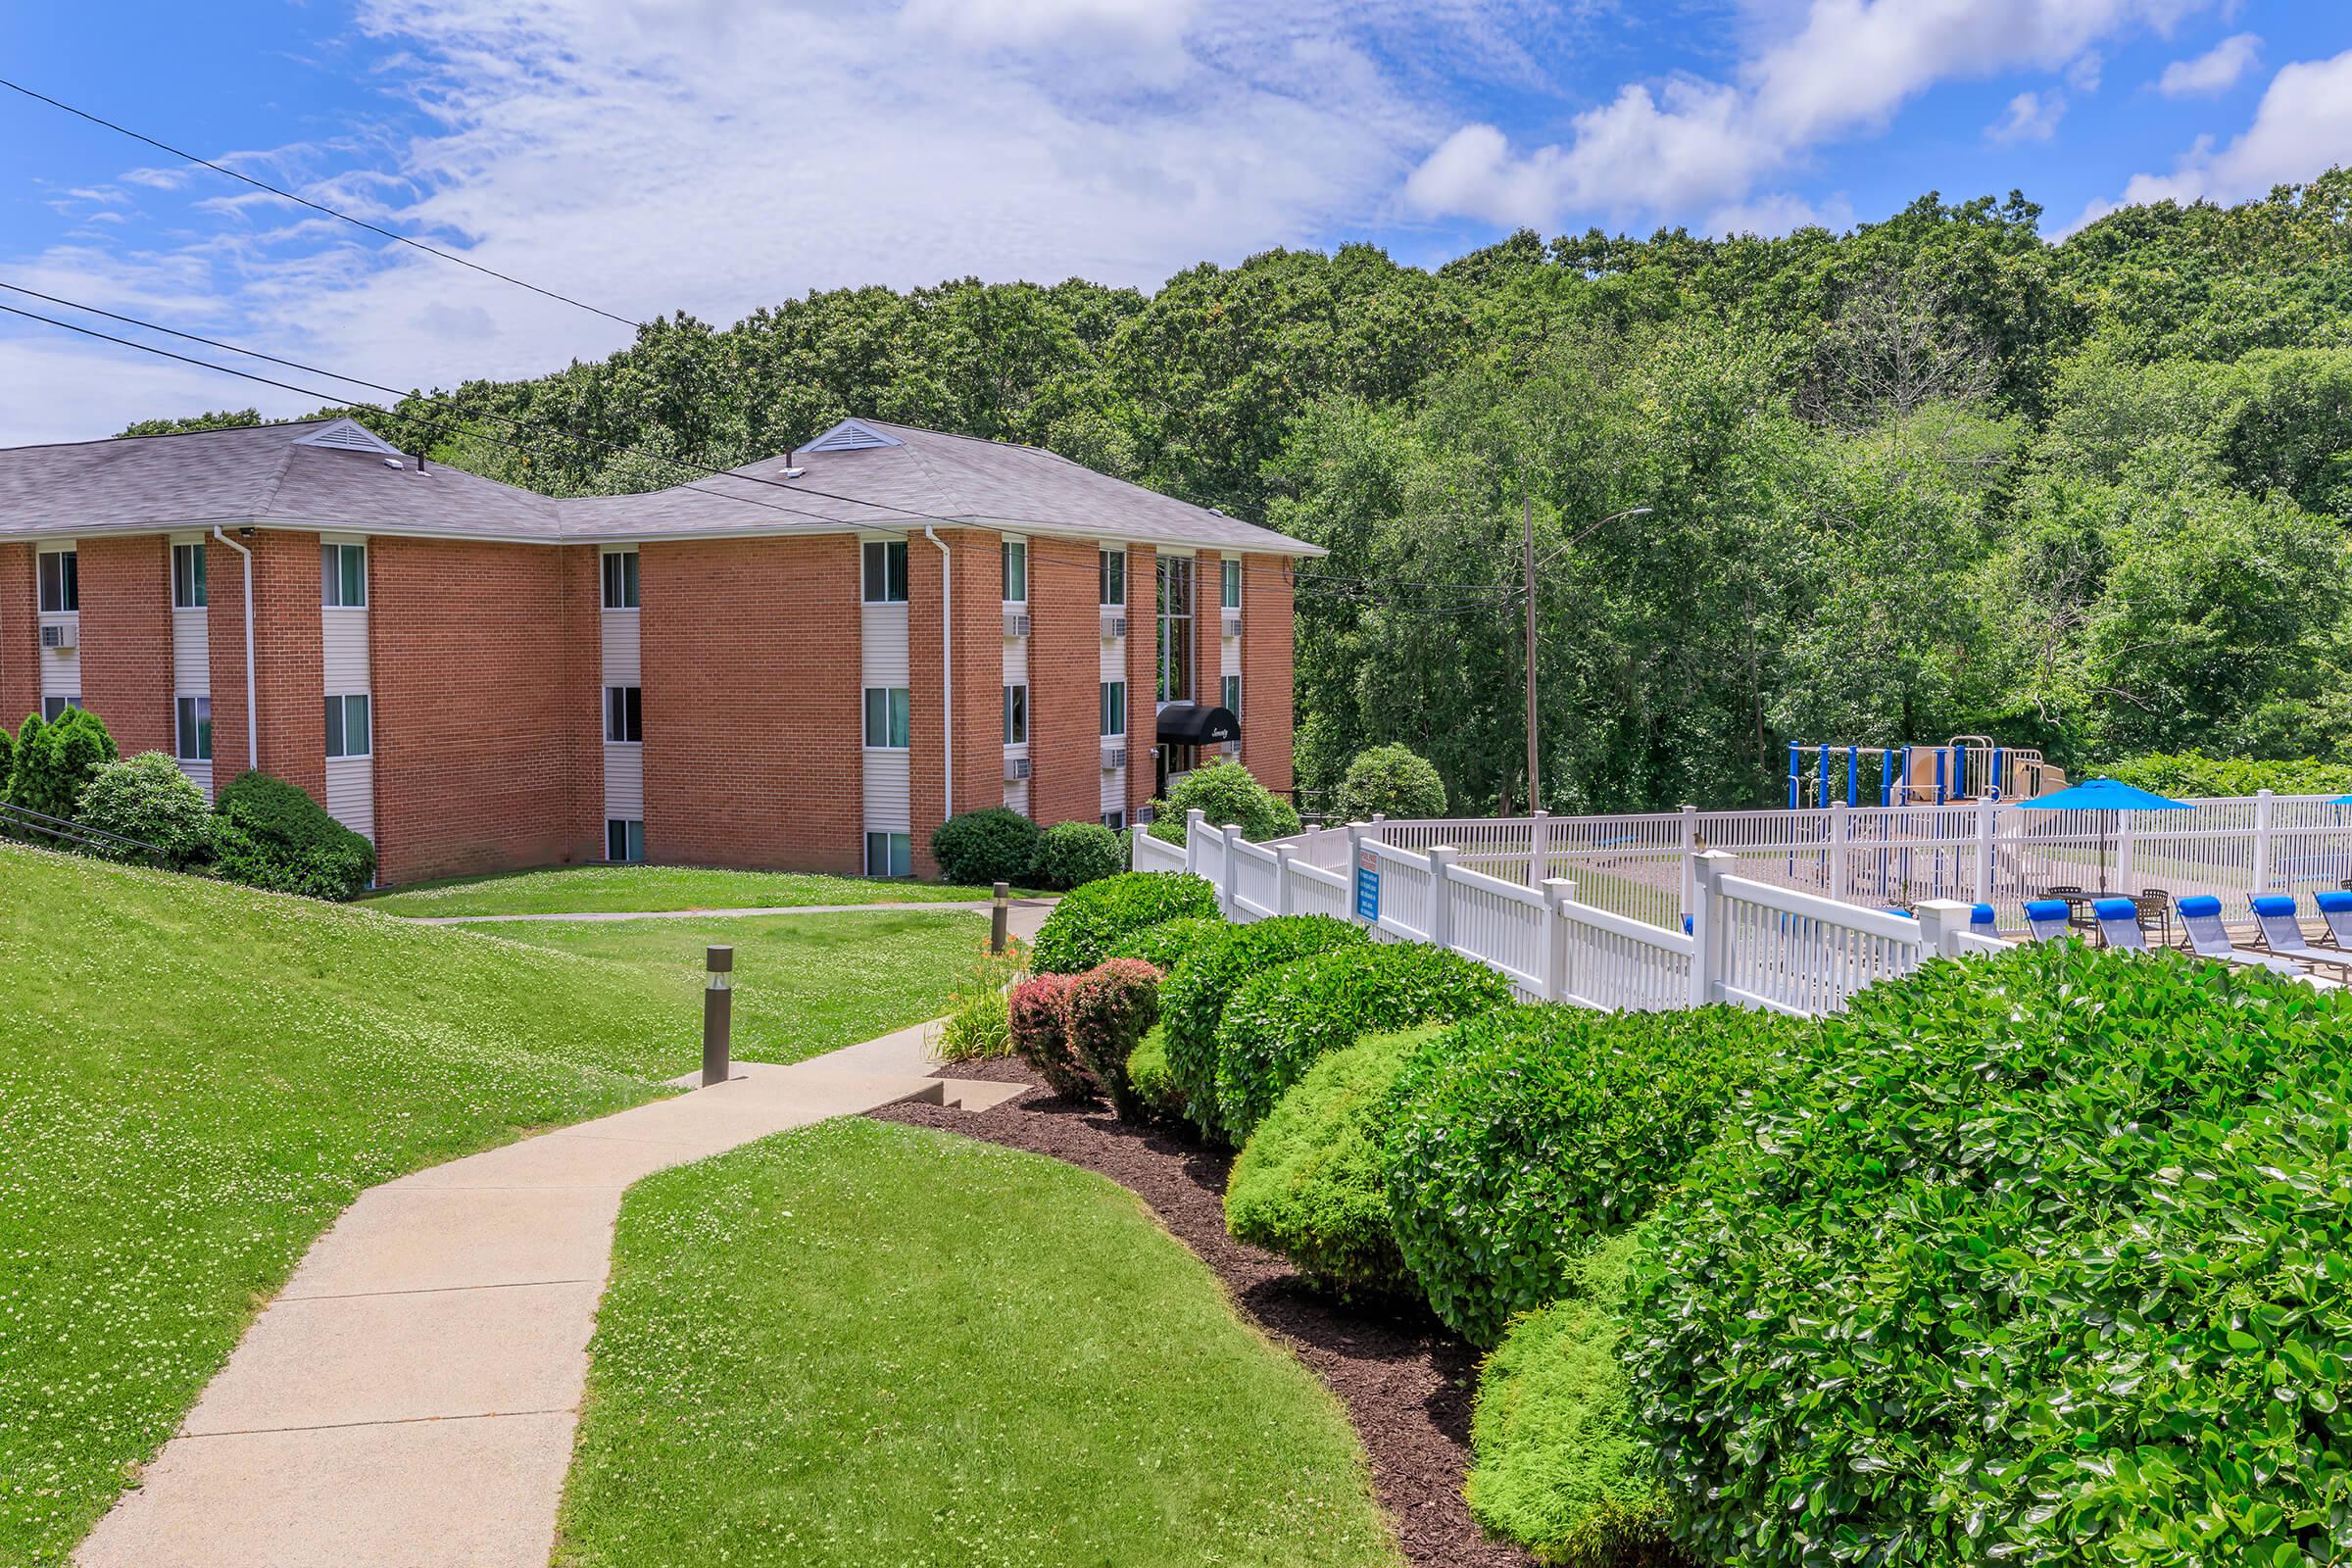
(1526, 529)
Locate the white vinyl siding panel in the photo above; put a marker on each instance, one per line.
(887, 800)
(1016, 796)
(343, 641)
(882, 662)
(882, 646)
(1017, 661)
(351, 794)
(624, 782)
(343, 651)
(620, 657)
(61, 667)
(624, 765)
(191, 654)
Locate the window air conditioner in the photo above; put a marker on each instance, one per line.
(1232, 625)
(60, 635)
(1016, 625)
(1016, 769)
(1114, 626)
(1114, 758)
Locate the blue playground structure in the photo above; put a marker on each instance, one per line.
(1967, 767)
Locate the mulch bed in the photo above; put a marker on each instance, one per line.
(1406, 1380)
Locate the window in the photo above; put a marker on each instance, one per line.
(1116, 821)
(1017, 716)
(1175, 628)
(624, 715)
(194, 729)
(1230, 583)
(343, 576)
(886, 571)
(890, 855)
(61, 582)
(620, 579)
(1114, 577)
(187, 576)
(1016, 572)
(347, 726)
(1230, 694)
(889, 711)
(624, 838)
(1114, 708)
(54, 708)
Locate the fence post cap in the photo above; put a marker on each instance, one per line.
(1558, 890)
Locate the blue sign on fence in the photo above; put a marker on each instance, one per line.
(1367, 885)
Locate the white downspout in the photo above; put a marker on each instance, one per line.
(253, 721)
(947, 670)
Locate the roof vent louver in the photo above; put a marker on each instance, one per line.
(348, 435)
(851, 435)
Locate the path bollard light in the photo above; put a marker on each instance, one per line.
(999, 913)
(718, 1014)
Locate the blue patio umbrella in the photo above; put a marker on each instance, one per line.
(2107, 796)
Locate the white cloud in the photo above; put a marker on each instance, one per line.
(2083, 74)
(1847, 68)
(1779, 213)
(2030, 117)
(2302, 126)
(2216, 70)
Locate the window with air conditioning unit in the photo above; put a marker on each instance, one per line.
(1232, 625)
(1016, 625)
(61, 636)
(1114, 758)
(1113, 627)
(1016, 769)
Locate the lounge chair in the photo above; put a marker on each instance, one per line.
(2282, 934)
(2045, 919)
(1981, 922)
(2208, 938)
(2335, 908)
(2119, 924)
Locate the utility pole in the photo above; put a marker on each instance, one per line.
(1527, 521)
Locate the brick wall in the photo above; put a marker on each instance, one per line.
(582, 729)
(1142, 673)
(19, 641)
(476, 707)
(125, 652)
(289, 664)
(1266, 630)
(1065, 683)
(978, 732)
(749, 662)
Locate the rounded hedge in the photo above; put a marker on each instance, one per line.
(1108, 1010)
(53, 760)
(148, 799)
(1310, 1184)
(995, 845)
(1038, 1016)
(1540, 1128)
(1193, 1000)
(1071, 855)
(1147, 1080)
(1279, 1023)
(1167, 943)
(1391, 781)
(1227, 795)
(2043, 1257)
(1090, 920)
(270, 834)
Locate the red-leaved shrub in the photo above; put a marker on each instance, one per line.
(1041, 1035)
(1108, 1011)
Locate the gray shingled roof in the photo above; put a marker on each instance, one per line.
(261, 474)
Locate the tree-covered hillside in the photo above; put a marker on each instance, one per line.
(1931, 476)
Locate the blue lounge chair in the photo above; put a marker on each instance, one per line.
(2282, 934)
(2208, 938)
(2119, 924)
(1981, 921)
(2335, 908)
(2045, 919)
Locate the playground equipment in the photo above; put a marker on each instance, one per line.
(1967, 767)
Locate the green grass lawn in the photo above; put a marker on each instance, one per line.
(643, 889)
(803, 983)
(866, 1345)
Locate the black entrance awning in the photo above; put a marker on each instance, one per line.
(1195, 725)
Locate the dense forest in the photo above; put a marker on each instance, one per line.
(1935, 475)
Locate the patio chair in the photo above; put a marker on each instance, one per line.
(2208, 938)
(1981, 922)
(2335, 908)
(2119, 924)
(2282, 934)
(2046, 919)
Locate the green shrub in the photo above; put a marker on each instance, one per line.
(1539, 1129)
(995, 845)
(1108, 1011)
(2185, 775)
(1090, 920)
(147, 797)
(2039, 1257)
(1391, 781)
(1154, 1092)
(270, 834)
(55, 759)
(1229, 795)
(1560, 1462)
(978, 1021)
(1167, 943)
(1192, 1000)
(1071, 855)
(1280, 1022)
(1040, 1020)
(8, 761)
(1310, 1184)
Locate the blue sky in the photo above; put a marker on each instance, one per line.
(713, 154)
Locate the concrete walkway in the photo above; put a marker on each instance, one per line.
(408, 1399)
(1026, 913)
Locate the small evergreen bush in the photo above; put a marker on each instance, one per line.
(1391, 781)
(1310, 1183)
(1040, 1021)
(147, 797)
(267, 833)
(1108, 1011)
(995, 845)
(1539, 1129)
(1071, 855)
(1154, 1092)
(1193, 1002)
(1279, 1023)
(54, 760)
(1229, 795)
(8, 761)
(1090, 920)
(1167, 943)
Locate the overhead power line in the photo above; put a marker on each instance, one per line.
(316, 206)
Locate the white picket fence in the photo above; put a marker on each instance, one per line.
(1748, 940)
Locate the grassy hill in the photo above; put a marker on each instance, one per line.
(194, 1080)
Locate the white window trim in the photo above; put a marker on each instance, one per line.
(862, 544)
(1010, 542)
(606, 554)
(367, 572)
(206, 717)
(347, 755)
(608, 740)
(176, 547)
(886, 749)
(73, 550)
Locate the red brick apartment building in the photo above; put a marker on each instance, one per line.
(803, 665)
